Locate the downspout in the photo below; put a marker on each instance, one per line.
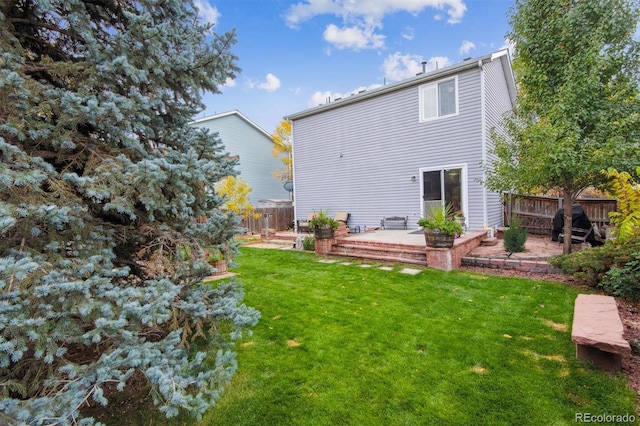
(293, 180)
(485, 218)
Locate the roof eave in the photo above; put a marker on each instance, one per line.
(419, 79)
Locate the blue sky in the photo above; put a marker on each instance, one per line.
(295, 55)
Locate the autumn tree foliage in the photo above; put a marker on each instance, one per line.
(282, 150)
(626, 189)
(101, 176)
(578, 111)
(235, 191)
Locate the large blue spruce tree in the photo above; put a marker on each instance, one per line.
(101, 180)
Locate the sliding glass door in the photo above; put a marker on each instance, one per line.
(442, 187)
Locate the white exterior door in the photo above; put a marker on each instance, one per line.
(443, 186)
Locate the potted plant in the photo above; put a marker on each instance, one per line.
(216, 258)
(440, 227)
(323, 225)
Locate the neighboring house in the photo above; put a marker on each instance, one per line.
(243, 138)
(397, 149)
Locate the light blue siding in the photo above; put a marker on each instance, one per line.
(242, 137)
(360, 156)
(497, 104)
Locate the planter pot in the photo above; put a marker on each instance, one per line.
(434, 238)
(323, 232)
(221, 267)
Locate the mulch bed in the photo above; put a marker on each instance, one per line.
(629, 314)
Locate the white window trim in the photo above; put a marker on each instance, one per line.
(421, 100)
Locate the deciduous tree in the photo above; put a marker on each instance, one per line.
(576, 67)
(236, 192)
(282, 150)
(101, 178)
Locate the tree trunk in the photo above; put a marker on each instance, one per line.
(567, 199)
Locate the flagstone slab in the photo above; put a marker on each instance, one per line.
(410, 271)
(598, 332)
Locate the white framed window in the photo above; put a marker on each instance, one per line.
(439, 99)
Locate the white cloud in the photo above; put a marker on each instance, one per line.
(467, 46)
(206, 12)
(397, 66)
(408, 33)
(370, 9)
(353, 38)
(320, 98)
(362, 18)
(509, 44)
(271, 83)
(229, 82)
(437, 62)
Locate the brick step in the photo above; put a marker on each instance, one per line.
(380, 252)
(386, 245)
(382, 258)
(389, 248)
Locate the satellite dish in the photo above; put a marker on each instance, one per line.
(288, 186)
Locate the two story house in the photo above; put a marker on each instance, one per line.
(403, 147)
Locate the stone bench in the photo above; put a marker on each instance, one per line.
(394, 220)
(597, 331)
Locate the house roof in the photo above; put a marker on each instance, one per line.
(502, 55)
(233, 112)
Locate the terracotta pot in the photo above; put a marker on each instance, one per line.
(434, 238)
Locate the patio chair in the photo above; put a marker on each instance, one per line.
(342, 217)
(303, 226)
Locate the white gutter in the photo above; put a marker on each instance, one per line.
(293, 180)
(485, 218)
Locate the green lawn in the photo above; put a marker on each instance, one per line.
(345, 345)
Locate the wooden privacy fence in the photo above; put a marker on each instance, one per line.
(536, 213)
(278, 218)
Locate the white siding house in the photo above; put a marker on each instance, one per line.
(245, 139)
(397, 149)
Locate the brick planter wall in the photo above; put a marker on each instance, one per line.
(323, 247)
(448, 259)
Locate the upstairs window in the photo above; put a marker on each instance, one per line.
(439, 99)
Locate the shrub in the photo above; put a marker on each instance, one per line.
(613, 267)
(588, 265)
(515, 237)
(624, 281)
(308, 243)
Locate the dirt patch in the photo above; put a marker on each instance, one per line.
(292, 343)
(556, 326)
(630, 316)
(479, 370)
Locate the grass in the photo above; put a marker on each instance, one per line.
(345, 345)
